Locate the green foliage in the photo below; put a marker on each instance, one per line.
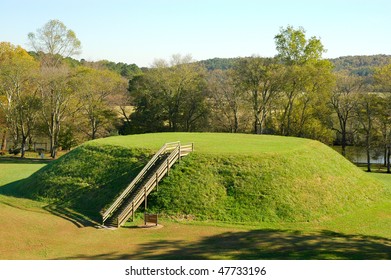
(169, 97)
(125, 70)
(361, 65)
(219, 63)
(54, 41)
(383, 78)
(294, 48)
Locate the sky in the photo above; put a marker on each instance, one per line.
(140, 31)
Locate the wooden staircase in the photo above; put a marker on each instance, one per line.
(138, 190)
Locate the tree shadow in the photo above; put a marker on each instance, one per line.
(19, 160)
(262, 244)
(78, 219)
(81, 184)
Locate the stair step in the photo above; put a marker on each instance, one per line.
(138, 187)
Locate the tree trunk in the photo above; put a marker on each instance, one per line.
(368, 160)
(343, 142)
(23, 148)
(388, 160)
(4, 140)
(236, 123)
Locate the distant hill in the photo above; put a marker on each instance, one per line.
(219, 63)
(361, 65)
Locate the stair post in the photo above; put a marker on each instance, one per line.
(145, 199)
(132, 211)
(157, 181)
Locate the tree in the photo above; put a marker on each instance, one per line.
(344, 101)
(98, 91)
(18, 84)
(367, 111)
(54, 42)
(261, 79)
(294, 49)
(227, 100)
(57, 97)
(170, 96)
(303, 62)
(382, 79)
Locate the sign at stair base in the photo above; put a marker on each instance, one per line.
(150, 218)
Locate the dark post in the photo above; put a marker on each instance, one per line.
(145, 198)
(132, 211)
(388, 158)
(157, 181)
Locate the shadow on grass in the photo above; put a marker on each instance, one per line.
(262, 244)
(19, 160)
(78, 219)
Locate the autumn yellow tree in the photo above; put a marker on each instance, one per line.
(18, 87)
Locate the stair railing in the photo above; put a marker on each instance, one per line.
(148, 186)
(165, 148)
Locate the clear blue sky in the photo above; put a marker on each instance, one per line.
(138, 31)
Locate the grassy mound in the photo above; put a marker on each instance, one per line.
(237, 178)
(85, 180)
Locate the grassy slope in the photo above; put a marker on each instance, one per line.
(84, 180)
(31, 232)
(307, 183)
(235, 178)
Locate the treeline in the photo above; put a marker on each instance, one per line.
(45, 93)
(296, 93)
(361, 65)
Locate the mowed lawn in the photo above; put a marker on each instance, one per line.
(30, 231)
(211, 143)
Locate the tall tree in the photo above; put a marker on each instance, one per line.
(98, 92)
(382, 79)
(53, 42)
(260, 78)
(367, 112)
(171, 95)
(344, 102)
(18, 84)
(227, 100)
(56, 96)
(293, 47)
(299, 55)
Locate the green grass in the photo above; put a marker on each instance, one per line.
(30, 230)
(230, 177)
(211, 143)
(16, 169)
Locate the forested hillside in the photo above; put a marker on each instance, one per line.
(361, 65)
